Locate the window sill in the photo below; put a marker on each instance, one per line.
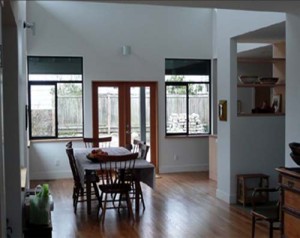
(23, 172)
(55, 140)
(187, 136)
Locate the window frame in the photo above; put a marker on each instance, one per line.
(55, 84)
(186, 84)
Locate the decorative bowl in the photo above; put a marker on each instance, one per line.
(296, 158)
(245, 79)
(295, 147)
(93, 159)
(268, 80)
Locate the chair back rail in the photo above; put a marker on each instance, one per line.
(137, 144)
(72, 163)
(112, 173)
(110, 165)
(97, 142)
(268, 213)
(143, 151)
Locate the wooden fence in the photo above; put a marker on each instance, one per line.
(70, 113)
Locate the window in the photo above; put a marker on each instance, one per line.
(55, 97)
(187, 88)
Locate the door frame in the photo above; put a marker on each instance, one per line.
(124, 117)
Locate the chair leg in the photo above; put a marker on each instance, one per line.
(119, 201)
(74, 191)
(253, 226)
(96, 190)
(104, 208)
(271, 230)
(139, 189)
(75, 198)
(130, 214)
(100, 203)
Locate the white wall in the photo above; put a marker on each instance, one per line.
(11, 118)
(292, 132)
(19, 8)
(2, 159)
(97, 31)
(236, 136)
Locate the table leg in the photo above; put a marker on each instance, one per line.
(137, 196)
(88, 192)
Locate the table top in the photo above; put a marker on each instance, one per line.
(81, 157)
(146, 169)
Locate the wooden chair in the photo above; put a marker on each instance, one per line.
(143, 151)
(128, 147)
(265, 212)
(79, 190)
(136, 185)
(110, 167)
(101, 142)
(136, 145)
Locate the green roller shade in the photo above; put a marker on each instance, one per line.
(187, 67)
(54, 65)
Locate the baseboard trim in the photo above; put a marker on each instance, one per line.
(50, 175)
(181, 168)
(225, 196)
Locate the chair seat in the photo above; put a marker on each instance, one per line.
(266, 213)
(94, 178)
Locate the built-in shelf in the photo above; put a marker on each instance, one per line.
(252, 97)
(260, 60)
(261, 114)
(259, 85)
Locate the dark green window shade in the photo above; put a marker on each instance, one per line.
(54, 65)
(187, 67)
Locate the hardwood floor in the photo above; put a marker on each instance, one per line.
(182, 205)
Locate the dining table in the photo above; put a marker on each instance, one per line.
(144, 171)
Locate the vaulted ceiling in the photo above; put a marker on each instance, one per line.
(276, 6)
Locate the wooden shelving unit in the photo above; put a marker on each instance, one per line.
(260, 60)
(261, 114)
(259, 93)
(246, 184)
(289, 180)
(258, 85)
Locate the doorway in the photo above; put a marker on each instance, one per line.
(126, 111)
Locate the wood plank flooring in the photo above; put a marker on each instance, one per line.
(182, 205)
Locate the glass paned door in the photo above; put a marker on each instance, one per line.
(140, 115)
(126, 111)
(108, 113)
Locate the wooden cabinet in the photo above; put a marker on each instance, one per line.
(289, 180)
(252, 96)
(245, 187)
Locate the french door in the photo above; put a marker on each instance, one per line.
(126, 111)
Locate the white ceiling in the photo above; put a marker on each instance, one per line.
(276, 6)
(268, 34)
(259, 52)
